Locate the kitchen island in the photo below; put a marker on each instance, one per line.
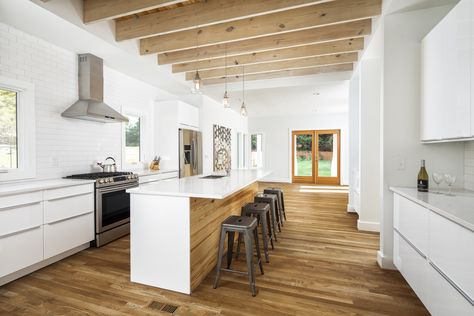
(175, 226)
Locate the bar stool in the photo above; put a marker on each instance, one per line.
(281, 201)
(272, 200)
(246, 226)
(262, 212)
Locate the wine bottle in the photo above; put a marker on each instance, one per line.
(422, 178)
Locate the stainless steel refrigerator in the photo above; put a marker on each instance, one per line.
(190, 153)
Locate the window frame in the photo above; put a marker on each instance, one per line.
(250, 150)
(143, 122)
(26, 130)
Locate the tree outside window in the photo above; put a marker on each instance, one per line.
(8, 129)
(132, 140)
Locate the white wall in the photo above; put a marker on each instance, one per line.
(403, 33)
(354, 143)
(65, 146)
(277, 136)
(469, 165)
(211, 113)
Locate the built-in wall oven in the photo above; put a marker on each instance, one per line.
(112, 204)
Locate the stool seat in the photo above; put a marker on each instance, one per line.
(271, 199)
(280, 203)
(257, 207)
(239, 222)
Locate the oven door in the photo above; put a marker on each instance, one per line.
(112, 206)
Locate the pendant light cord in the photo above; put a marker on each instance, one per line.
(225, 67)
(243, 84)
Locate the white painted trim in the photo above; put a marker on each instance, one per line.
(26, 135)
(143, 138)
(368, 226)
(18, 274)
(351, 209)
(385, 262)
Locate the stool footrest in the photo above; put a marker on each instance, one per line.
(235, 271)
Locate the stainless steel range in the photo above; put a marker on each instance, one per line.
(112, 204)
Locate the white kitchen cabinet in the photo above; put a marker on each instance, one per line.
(446, 77)
(149, 178)
(188, 115)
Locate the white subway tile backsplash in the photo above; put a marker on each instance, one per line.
(469, 165)
(65, 146)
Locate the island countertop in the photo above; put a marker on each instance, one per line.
(196, 186)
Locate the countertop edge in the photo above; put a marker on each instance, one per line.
(27, 189)
(435, 209)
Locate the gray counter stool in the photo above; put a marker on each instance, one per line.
(281, 202)
(262, 212)
(272, 200)
(247, 226)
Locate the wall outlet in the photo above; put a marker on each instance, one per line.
(401, 163)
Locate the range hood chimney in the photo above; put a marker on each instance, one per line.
(90, 105)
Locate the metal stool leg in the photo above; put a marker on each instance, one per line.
(257, 245)
(219, 258)
(249, 257)
(230, 248)
(265, 237)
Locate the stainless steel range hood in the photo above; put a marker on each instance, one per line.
(90, 105)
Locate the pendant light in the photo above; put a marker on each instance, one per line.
(243, 108)
(225, 100)
(197, 82)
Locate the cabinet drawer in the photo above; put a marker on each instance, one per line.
(411, 220)
(59, 209)
(20, 199)
(15, 219)
(169, 175)
(412, 266)
(451, 249)
(21, 250)
(69, 191)
(444, 299)
(65, 235)
(148, 179)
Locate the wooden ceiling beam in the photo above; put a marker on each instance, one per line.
(272, 42)
(327, 48)
(306, 62)
(202, 14)
(100, 10)
(282, 74)
(280, 22)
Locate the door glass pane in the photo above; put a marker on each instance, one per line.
(8, 129)
(303, 155)
(328, 155)
(115, 207)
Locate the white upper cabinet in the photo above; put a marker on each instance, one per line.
(188, 115)
(447, 64)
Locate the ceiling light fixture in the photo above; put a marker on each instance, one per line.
(225, 100)
(243, 108)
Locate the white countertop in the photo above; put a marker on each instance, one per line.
(458, 208)
(148, 172)
(38, 185)
(203, 188)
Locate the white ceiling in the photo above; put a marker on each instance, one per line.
(292, 100)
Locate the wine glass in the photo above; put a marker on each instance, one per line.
(450, 180)
(438, 178)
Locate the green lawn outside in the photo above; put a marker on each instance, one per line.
(305, 167)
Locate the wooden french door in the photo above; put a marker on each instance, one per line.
(316, 156)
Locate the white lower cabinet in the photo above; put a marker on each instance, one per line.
(439, 266)
(20, 250)
(67, 234)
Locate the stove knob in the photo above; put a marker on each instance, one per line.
(101, 180)
(135, 176)
(111, 179)
(129, 177)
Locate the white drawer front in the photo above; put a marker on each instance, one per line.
(411, 220)
(65, 235)
(21, 250)
(412, 266)
(444, 299)
(20, 199)
(19, 218)
(59, 209)
(147, 179)
(169, 175)
(452, 250)
(68, 191)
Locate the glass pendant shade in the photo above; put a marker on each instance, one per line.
(197, 82)
(243, 110)
(225, 100)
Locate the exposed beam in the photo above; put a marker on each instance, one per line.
(334, 47)
(306, 62)
(272, 42)
(283, 73)
(100, 10)
(202, 14)
(285, 21)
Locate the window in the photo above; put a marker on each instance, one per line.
(256, 151)
(8, 129)
(17, 130)
(133, 140)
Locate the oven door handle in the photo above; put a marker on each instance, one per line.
(116, 188)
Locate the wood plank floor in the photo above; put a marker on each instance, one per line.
(321, 266)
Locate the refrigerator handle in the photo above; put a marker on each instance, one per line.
(194, 154)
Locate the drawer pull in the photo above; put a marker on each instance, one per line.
(460, 291)
(69, 196)
(19, 205)
(68, 218)
(20, 231)
(410, 243)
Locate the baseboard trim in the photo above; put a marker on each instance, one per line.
(368, 226)
(351, 209)
(21, 273)
(385, 262)
(279, 180)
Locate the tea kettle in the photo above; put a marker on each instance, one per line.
(108, 167)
